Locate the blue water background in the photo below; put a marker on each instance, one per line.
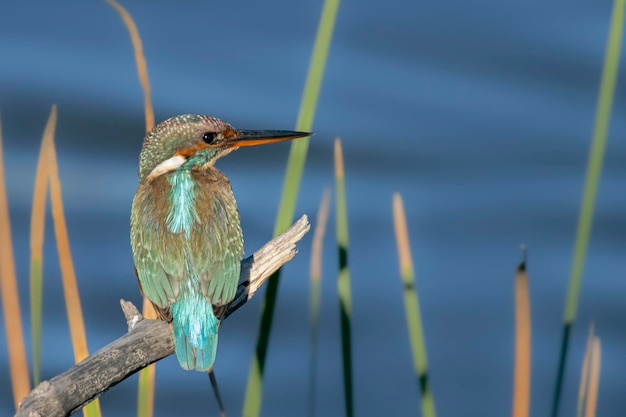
(480, 113)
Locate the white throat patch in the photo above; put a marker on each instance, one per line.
(166, 166)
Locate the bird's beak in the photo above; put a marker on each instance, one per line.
(260, 137)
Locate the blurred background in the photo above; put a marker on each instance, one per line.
(480, 113)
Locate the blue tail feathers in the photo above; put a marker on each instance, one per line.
(195, 332)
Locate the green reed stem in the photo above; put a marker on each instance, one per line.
(592, 179)
(412, 308)
(343, 281)
(37, 226)
(36, 312)
(286, 210)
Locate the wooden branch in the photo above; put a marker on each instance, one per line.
(147, 341)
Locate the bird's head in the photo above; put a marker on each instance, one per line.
(189, 140)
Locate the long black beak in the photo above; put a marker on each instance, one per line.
(260, 137)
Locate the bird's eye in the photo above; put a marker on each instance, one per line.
(209, 137)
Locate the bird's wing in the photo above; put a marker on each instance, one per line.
(217, 247)
(207, 258)
(159, 265)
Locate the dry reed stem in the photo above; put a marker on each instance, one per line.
(315, 295)
(140, 60)
(147, 375)
(594, 378)
(402, 235)
(521, 384)
(339, 171)
(68, 275)
(38, 215)
(18, 366)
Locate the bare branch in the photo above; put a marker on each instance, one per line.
(147, 341)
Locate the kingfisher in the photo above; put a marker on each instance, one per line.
(185, 231)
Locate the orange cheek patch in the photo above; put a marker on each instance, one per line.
(191, 150)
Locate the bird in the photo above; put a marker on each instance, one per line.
(185, 231)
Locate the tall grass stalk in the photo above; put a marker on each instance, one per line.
(37, 226)
(18, 366)
(140, 61)
(592, 179)
(521, 378)
(291, 185)
(591, 402)
(145, 393)
(343, 279)
(584, 374)
(316, 290)
(308, 104)
(412, 308)
(68, 275)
